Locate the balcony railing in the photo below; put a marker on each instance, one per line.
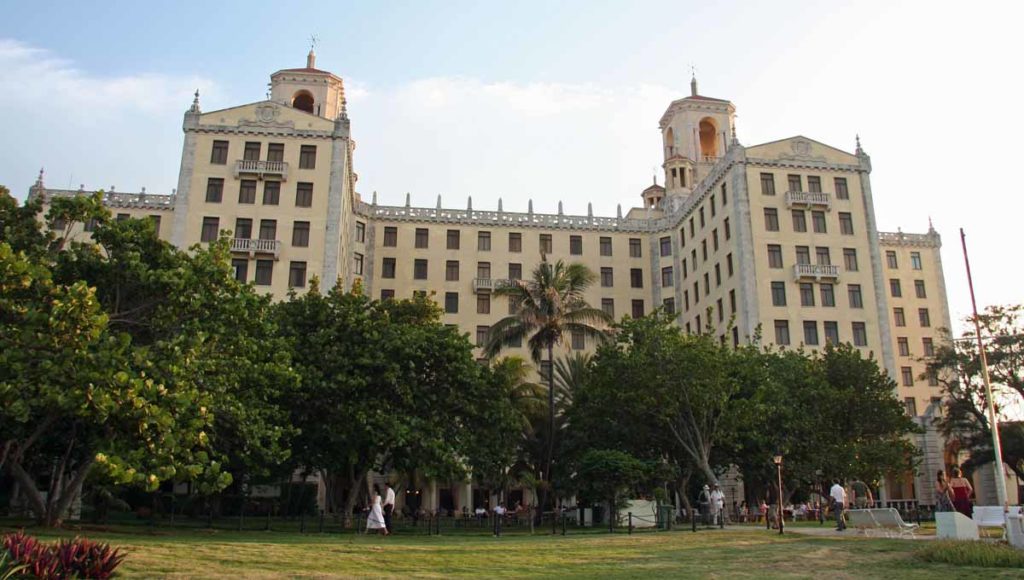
(809, 199)
(253, 247)
(485, 285)
(262, 168)
(816, 271)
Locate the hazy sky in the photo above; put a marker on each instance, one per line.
(552, 100)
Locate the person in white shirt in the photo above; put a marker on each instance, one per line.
(838, 495)
(389, 506)
(717, 503)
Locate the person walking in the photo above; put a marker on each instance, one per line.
(375, 521)
(862, 497)
(943, 495)
(389, 507)
(962, 490)
(838, 496)
(717, 505)
(704, 500)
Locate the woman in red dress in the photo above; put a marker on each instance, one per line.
(962, 491)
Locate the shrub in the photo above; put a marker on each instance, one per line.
(9, 568)
(972, 553)
(74, 558)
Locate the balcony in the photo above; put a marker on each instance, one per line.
(809, 199)
(488, 285)
(261, 169)
(254, 247)
(816, 271)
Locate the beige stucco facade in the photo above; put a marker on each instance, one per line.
(777, 238)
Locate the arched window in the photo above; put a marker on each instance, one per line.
(670, 142)
(708, 138)
(303, 100)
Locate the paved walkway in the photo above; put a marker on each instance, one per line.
(829, 531)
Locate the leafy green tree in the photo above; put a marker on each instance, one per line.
(608, 475)
(548, 305)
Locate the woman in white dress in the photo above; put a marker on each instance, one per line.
(375, 521)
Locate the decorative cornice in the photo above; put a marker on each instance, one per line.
(803, 164)
(929, 240)
(139, 200)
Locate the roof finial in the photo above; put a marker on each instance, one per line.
(931, 228)
(311, 57)
(39, 180)
(693, 81)
(733, 127)
(195, 103)
(859, 150)
(499, 206)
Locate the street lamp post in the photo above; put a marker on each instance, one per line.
(777, 460)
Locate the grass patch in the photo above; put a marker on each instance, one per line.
(971, 553)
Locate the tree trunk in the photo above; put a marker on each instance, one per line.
(353, 495)
(49, 513)
(551, 435)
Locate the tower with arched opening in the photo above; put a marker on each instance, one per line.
(695, 131)
(309, 89)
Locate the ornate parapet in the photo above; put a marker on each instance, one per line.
(932, 239)
(140, 200)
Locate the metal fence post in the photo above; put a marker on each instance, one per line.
(630, 529)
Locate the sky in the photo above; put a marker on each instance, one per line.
(545, 100)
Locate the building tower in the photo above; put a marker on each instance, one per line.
(310, 89)
(695, 131)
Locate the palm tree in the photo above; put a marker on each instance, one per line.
(549, 305)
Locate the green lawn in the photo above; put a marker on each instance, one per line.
(742, 552)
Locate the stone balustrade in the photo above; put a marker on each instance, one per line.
(816, 271)
(487, 285)
(253, 247)
(809, 199)
(261, 168)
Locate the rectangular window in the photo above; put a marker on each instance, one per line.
(890, 258)
(842, 192)
(919, 289)
(728, 232)
(774, 256)
(483, 270)
(251, 151)
(264, 272)
(725, 197)
(636, 278)
(910, 403)
(803, 255)
(297, 275)
(831, 329)
(576, 245)
(856, 299)
(579, 341)
(422, 238)
(810, 333)
(271, 192)
(607, 277)
(728, 263)
(813, 184)
(268, 229)
(545, 244)
(923, 317)
(823, 256)
(453, 239)
(122, 217)
(307, 157)
(714, 240)
(704, 249)
(515, 271)
(243, 228)
(767, 184)
(606, 246)
(795, 184)
(608, 306)
(89, 225)
(711, 200)
(903, 346)
(850, 259)
(799, 220)
(638, 308)
(686, 299)
(828, 295)
(483, 303)
(360, 232)
(666, 245)
(387, 294)
(515, 242)
(275, 152)
(721, 311)
(782, 332)
(635, 249)
(211, 229)
(156, 224)
(670, 305)
(860, 334)
(894, 288)
(666, 276)
(241, 268)
(685, 272)
(219, 155)
(481, 335)
(304, 195)
(483, 241)
(928, 346)
(718, 275)
(818, 220)
(907, 374)
(702, 217)
(806, 294)
(451, 271)
(846, 223)
(682, 237)
(771, 219)
(300, 234)
(214, 189)
(915, 260)
(451, 302)
(358, 263)
(514, 302)
(778, 293)
(388, 268)
(390, 236)
(419, 269)
(247, 191)
(732, 301)
(898, 317)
